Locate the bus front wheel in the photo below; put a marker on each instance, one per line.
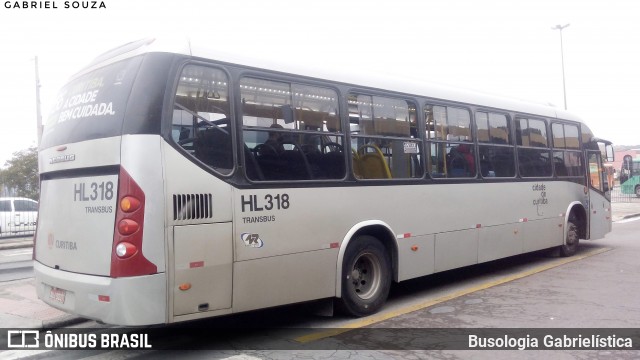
(637, 190)
(366, 276)
(570, 246)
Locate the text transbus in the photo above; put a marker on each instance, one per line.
(178, 184)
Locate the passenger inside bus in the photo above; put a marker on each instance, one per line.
(275, 142)
(465, 150)
(461, 161)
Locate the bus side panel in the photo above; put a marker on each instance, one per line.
(141, 158)
(199, 238)
(499, 241)
(184, 180)
(203, 268)
(543, 234)
(283, 279)
(416, 262)
(463, 243)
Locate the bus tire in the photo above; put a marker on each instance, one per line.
(366, 276)
(637, 190)
(570, 246)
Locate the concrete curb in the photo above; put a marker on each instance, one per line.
(17, 242)
(16, 245)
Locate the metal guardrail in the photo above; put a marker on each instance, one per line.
(17, 226)
(618, 197)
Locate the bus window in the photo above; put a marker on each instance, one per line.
(291, 131)
(382, 144)
(92, 106)
(452, 152)
(567, 157)
(534, 158)
(495, 146)
(201, 123)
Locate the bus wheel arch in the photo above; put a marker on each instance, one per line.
(368, 253)
(576, 229)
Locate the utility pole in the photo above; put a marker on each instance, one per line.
(38, 112)
(564, 89)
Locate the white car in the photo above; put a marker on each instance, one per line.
(18, 215)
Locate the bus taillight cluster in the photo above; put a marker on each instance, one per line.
(127, 258)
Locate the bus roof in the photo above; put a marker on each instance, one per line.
(202, 49)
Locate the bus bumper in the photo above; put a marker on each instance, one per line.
(130, 301)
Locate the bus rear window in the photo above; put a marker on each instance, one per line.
(91, 106)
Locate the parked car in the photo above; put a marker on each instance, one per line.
(18, 215)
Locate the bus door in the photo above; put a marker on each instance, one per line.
(599, 204)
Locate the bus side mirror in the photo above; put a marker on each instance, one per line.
(610, 155)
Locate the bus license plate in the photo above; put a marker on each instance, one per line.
(57, 295)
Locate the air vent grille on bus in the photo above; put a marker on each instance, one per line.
(192, 206)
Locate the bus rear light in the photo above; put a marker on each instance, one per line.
(127, 255)
(125, 250)
(129, 204)
(127, 227)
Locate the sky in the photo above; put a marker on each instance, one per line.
(502, 47)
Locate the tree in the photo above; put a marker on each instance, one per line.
(21, 174)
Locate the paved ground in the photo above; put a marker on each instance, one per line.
(20, 307)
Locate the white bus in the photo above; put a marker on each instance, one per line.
(178, 184)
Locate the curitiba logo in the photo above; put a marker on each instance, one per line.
(252, 240)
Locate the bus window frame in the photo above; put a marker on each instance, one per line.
(242, 73)
(511, 144)
(471, 109)
(419, 139)
(580, 149)
(520, 116)
(170, 100)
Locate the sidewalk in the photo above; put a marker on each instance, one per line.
(19, 304)
(20, 307)
(623, 211)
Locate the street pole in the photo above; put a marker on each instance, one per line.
(564, 89)
(38, 112)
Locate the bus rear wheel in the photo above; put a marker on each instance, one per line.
(637, 190)
(366, 276)
(570, 246)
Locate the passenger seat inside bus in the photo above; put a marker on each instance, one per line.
(213, 147)
(370, 165)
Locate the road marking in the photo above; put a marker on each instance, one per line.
(373, 319)
(18, 354)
